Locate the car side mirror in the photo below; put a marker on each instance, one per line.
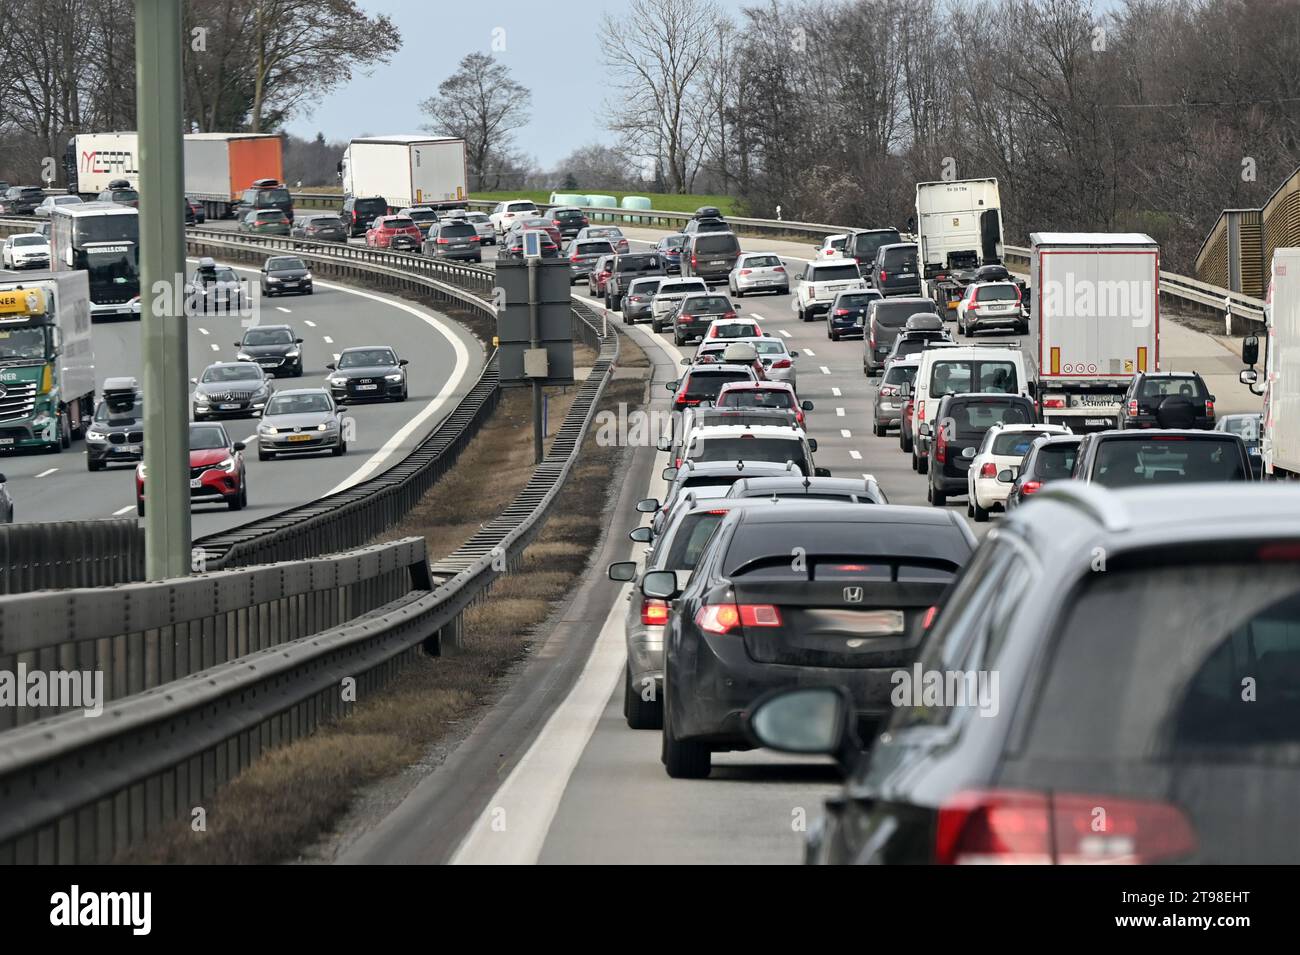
(968, 453)
(806, 405)
(297, 341)
(1250, 350)
(821, 472)
(194, 381)
(647, 506)
(238, 445)
(812, 445)
(663, 444)
(1005, 476)
(661, 584)
(3, 479)
(403, 362)
(239, 344)
(1211, 399)
(622, 570)
(639, 534)
(684, 361)
(330, 366)
(670, 386)
(794, 355)
(668, 473)
(813, 720)
(1248, 376)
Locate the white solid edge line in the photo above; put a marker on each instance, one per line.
(123, 510)
(514, 824)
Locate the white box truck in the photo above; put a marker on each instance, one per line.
(1096, 306)
(407, 170)
(93, 160)
(958, 229)
(1280, 442)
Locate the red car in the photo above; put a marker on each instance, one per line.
(544, 225)
(216, 469)
(763, 394)
(599, 275)
(398, 233)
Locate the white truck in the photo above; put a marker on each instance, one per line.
(1096, 305)
(407, 170)
(958, 229)
(93, 160)
(1280, 442)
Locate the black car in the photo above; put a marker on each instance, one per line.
(1149, 457)
(706, 224)
(862, 244)
(908, 344)
(21, 200)
(710, 256)
(512, 246)
(1143, 715)
(1168, 399)
(368, 371)
(695, 313)
(323, 227)
(230, 389)
(273, 348)
(583, 255)
(886, 318)
(1049, 458)
(197, 210)
(286, 275)
(569, 221)
(847, 316)
(961, 422)
(453, 239)
(848, 608)
(896, 270)
(116, 432)
(265, 194)
(626, 268)
(359, 214)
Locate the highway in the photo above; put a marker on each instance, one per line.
(445, 359)
(552, 774)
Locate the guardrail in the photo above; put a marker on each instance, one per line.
(70, 554)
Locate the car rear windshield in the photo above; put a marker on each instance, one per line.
(705, 385)
(723, 243)
(1246, 426)
(567, 214)
(683, 288)
(775, 450)
(835, 273)
(524, 206)
(399, 222)
(711, 304)
(594, 248)
(997, 293)
(958, 376)
(865, 244)
(1160, 387)
(766, 346)
(1015, 442)
(637, 263)
(761, 262)
(456, 230)
(1055, 460)
(757, 398)
(377, 206)
(1139, 463)
(269, 215)
(900, 374)
(844, 548)
(910, 346)
(424, 215)
(895, 314)
(856, 300)
(980, 414)
(273, 195)
(674, 242)
(1178, 684)
(327, 222)
(904, 260)
(689, 540)
(207, 438)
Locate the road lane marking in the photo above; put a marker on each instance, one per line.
(810, 353)
(836, 393)
(336, 356)
(123, 510)
(845, 433)
(825, 370)
(203, 331)
(216, 347)
(855, 455)
(47, 472)
(784, 332)
(328, 340)
(309, 323)
(756, 316)
(839, 412)
(283, 309)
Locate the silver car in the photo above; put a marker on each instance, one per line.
(301, 420)
(483, 226)
(778, 361)
(887, 407)
(759, 272)
(639, 301)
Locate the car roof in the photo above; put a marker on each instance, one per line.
(1138, 434)
(957, 396)
(1028, 427)
(233, 364)
(880, 514)
(367, 348)
(758, 430)
(767, 385)
(784, 482)
(290, 392)
(719, 366)
(1169, 374)
(710, 468)
(287, 328)
(834, 260)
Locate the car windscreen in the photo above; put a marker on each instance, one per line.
(720, 244)
(240, 372)
(207, 438)
(366, 358)
(30, 240)
(268, 336)
(1160, 387)
(900, 260)
(594, 248)
(1141, 463)
(287, 264)
(298, 404)
(835, 273)
(127, 410)
(757, 398)
(1015, 442)
(1173, 688)
(1055, 461)
(958, 376)
(752, 448)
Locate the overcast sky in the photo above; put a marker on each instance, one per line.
(550, 48)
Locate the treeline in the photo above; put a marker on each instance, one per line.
(1149, 115)
(69, 67)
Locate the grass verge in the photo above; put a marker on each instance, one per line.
(292, 796)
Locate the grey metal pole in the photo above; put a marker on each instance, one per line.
(535, 334)
(164, 336)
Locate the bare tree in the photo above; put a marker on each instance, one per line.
(482, 104)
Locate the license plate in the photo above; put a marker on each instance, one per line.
(867, 623)
(227, 407)
(720, 262)
(6, 441)
(1253, 452)
(128, 449)
(196, 482)
(1097, 422)
(290, 284)
(1093, 401)
(367, 387)
(299, 437)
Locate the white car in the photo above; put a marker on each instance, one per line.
(1004, 447)
(671, 292)
(990, 305)
(832, 247)
(821, 282)
(729, 328)
(487, 234)
(26, 250)
(49, 202)
(758, 272)
(507, 213)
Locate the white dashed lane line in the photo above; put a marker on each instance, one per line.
(309, 323)
(282, 309)
(825, 370)
(216, 347)
(855, 455)
(784, 332)
(122, 510)
(810, 353)
(845, 433)
(328, 340)
(835, 392)
(839, 412)
(47, 472)
(203, 331)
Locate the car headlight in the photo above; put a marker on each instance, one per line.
(93, 435)
(397, 377)
(291, 353)
(227, 465)
(267, 429)
(322, 427)
(307, 277)
(337, 381)
(243, 356)
(141, 472)
(272, 278)
(201, 400)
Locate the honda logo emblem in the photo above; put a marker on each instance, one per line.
(853, 595)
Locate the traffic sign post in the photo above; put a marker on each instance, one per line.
(163, 332)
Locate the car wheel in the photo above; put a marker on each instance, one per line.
(684, 759)
(904, 443)
(678, 340)
(879, 429)
(738, 293)
(340, 449)
(93, 465)
(936, 497)
(265, 455)
(970, 508)
(237, 502)
(65, 432)
(405, 392)
(833, 336)
(977, 512)
(641, 714)
(654, 326)
(922, 465)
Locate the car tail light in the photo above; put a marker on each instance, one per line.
(723, 618)
(798, 416)
(778, 268)
(1053, 402)
(654, 612)
(920, 412)
(733, 315)
(781, 363)
(940, 445)
(1016, 826)
(873, 337)
(1133, 408)
(883, 275)
(988, 470)
(1209, 408)
(928, 618)
(694, 260)
(444, 241)
(745, 271)
(1029, 487)
(841, 311)
(940, 277)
